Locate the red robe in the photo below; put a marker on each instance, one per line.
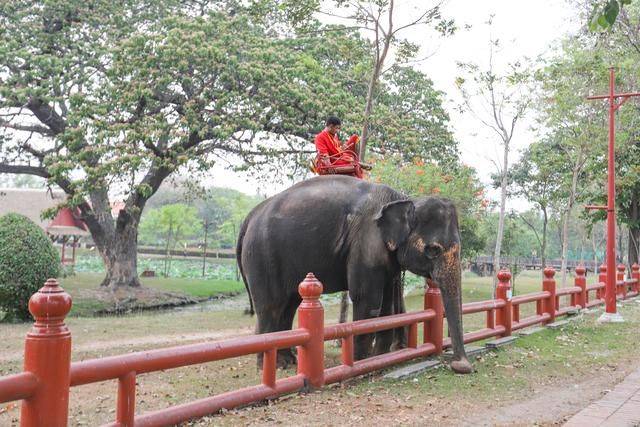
(330, 145)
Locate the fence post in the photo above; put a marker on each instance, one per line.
(433, 331)
(581, 282)
(602, 278)
(635, 274)
(503, 292)
(620, 278)
(549, 285)
(311, 318)
(47, 354)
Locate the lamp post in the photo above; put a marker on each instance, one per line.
(611, 314)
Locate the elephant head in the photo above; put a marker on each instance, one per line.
(424, 235)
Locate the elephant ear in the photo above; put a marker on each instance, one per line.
(396, 220)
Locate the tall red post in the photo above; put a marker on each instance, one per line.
(602, 278)
(311, 318)
(620, 278)
(635, 275)
(503, 292)
(433, 329)
(47, 354)
(610, 290)
(610, 314)
(549, 285)
(580, 281)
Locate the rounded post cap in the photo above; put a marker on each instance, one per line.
(504, 275)
(51, 303)
(580, 270)
(603, 268)
(621, 267)
(310, 287)
(635, 267)
(549, 272)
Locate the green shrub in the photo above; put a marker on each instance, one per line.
(27, 260)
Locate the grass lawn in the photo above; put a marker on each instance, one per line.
(84, 289)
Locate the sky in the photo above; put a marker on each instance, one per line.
(525, 28)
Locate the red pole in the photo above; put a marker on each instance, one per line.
(635, 275)
(602, 278)
(503, 292)
(549, 285)
(433, 331)
(610, 290)
(620, 278)
(311, 318)
(47, 354)
(581, 281)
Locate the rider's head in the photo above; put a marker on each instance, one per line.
(333, 125)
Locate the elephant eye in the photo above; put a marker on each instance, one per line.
(433, 250)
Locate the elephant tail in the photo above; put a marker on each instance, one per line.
(243, 230)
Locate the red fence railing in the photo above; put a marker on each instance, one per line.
(48, 373)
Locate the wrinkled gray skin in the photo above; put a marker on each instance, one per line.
(353, 235)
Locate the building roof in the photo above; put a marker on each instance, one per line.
(32, 202)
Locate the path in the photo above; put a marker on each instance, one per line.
(620, 407)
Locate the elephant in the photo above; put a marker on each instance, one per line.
(353, 235)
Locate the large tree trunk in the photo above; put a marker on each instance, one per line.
(121, 258)
(116, 241)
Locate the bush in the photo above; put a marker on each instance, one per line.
(27, 260)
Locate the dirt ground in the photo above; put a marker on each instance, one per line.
(542, 379)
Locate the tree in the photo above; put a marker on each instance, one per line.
(573, 127)
(499, 102)
(98, 95)
(379, 19)
(536, 177)
(169, 226)
(605, 12)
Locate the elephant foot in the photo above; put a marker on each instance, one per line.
(286, 357)
(461, 366)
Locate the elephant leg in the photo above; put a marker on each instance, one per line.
(277, 316)
(287, 356)
(384, 338)
(400, 334)
(366, 290)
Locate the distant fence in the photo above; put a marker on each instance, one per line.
(483, 265)
(48, 371)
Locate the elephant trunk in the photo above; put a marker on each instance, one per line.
(450, 280)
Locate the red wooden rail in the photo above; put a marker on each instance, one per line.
(48, 373)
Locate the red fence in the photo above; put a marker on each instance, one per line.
(48, 372)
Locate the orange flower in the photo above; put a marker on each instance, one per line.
(420, 172)
(435, 190)
(419, 162)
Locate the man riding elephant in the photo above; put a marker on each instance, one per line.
(353, 235)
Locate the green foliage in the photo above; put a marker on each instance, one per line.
(27, 260)
(180, 268)
(605, 13)
(169, 225)
(460, 184)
